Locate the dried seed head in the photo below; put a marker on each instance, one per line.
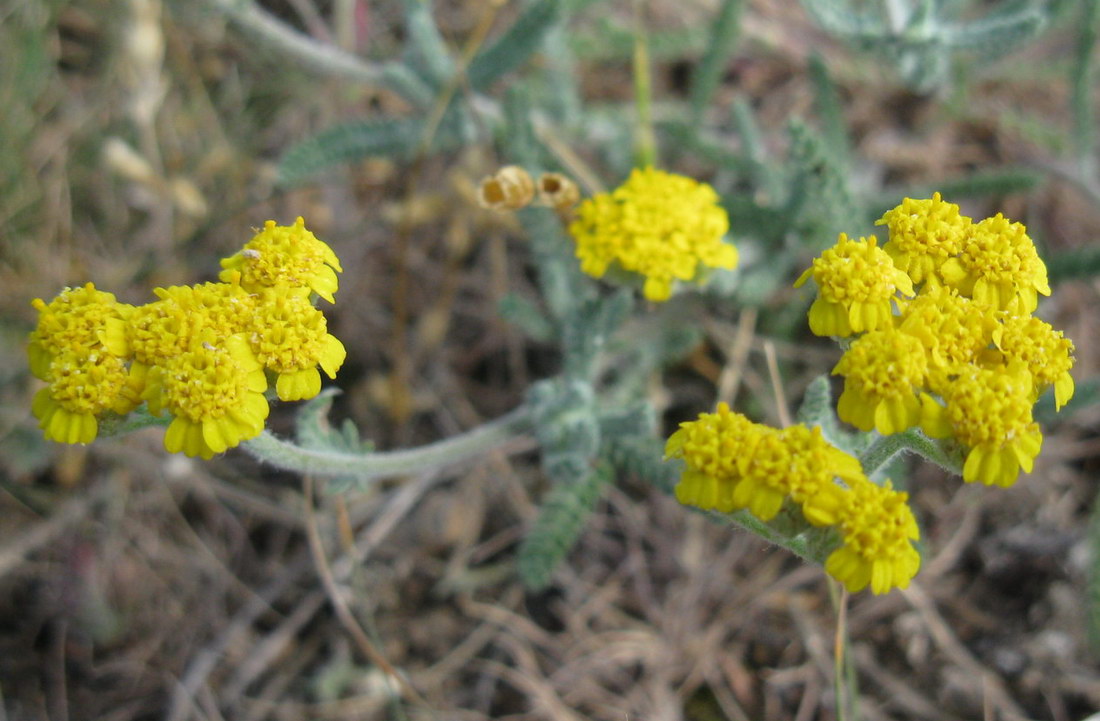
(510, 189)
(558, 191)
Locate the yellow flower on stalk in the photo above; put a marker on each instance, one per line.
(216, 394)
(285, 255)
(999, 266)
(953, 329)
(83, 386)
(877, 527)
(290, 337)
(923, 235)
(710, 448)
(988, 410)
(882, 371)
(663, 226)
(72, 323)
(857, 286)
(1046, 353)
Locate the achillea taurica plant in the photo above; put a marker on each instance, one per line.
(940, 343)
(203, 353)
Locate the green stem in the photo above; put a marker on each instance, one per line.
(322, 58)
(475, 442)
(643, 91)
(796, 545)
(944, 454)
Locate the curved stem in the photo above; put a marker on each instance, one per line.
(475, 442)
(326, 59)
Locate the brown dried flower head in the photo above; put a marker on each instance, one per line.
(510, 189)
(558, 191)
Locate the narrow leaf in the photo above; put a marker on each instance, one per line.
(559, 525)
(515, 46)
(709, 72)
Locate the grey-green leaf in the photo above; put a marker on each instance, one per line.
(515, 46)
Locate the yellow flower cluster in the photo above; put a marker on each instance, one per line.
(663, 226)
(732, 463)
(947, 340)
(201, 352)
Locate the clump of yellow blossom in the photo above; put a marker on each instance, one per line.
(857, 286)
(883, 371)
(287, 255)
(953, 330)
(964, 357)
(662, 226)
(878, 528)
(1046, 353)
(731, 463)
(999, 266)
(290, 338)
(216, 395)
(923, 235)
(71, 323)
(711, 447)
(82, 388)
(989, 412)
(198, 351)
(86, 379)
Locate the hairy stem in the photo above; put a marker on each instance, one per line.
(944, 454)
(475, 442)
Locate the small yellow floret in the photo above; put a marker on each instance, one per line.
(878, 528)
(1046, 353)
(215, 394)
(286, 255)
(883, 371)
(814, 466)
(953, 329)
(923, 235)
(857, 284)
(71, 323)
(999, 266)
(663, 226)
(82, 388)
(710, 447)
(290, 337)
(989, 412)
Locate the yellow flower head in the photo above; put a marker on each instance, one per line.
(290, 337)
(286, 255)
(82, 387)
(998, 266)
(878, 528)
(72, 323)
(857, 283)
(989, 411)
(1046, 353)
(923, 235)
(883, 370)
(710, 447)
(813, 466)
(765, 475)
(215, 394)
(953, 329)
(660, 225)
(157, 332)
